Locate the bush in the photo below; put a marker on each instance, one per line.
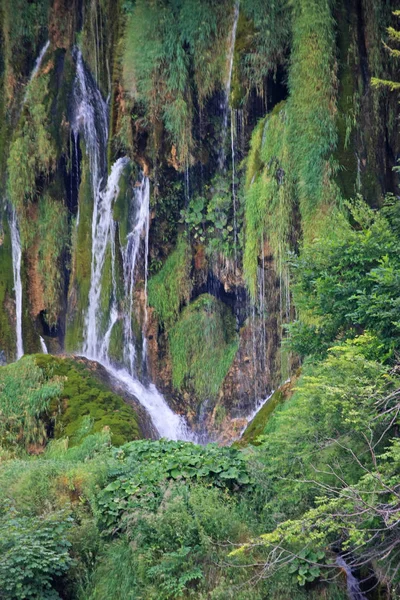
(33, 554)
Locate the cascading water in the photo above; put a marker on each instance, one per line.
(353, 585)
(90, 119)
(102, 230)
(16, 261)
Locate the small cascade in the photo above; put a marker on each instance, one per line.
(130, 256)
(227, 91)
(102, 228)
(43, 345)
(37, 66)
(256, 410)
(16, 261)
(90, 119)
(353, 585)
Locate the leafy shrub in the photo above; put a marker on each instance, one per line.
(211, 220)
(33, 553)
(348, 282)
(25, 396)
(146, 467)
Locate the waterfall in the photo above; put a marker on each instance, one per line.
(101, 236)
(90, 118)
(16, 261)
(227, 91)
(43, 345)
(256, 410)
(353, 585)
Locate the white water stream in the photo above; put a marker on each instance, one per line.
(16, 262)
(91, 121)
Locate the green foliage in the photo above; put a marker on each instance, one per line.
(267, 42)
(333, 400)
(347, 282)
(23, 28)
(203, 344)
(211, 220)
(25, 396)
(176, 550)
(33, 552)
(87, 405)
(169, 289)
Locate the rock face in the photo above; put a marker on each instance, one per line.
(213, 133)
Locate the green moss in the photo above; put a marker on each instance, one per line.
(270, 194)
(312, 134)
(81, 263)
(7, 329)
(346, 119)
(116, 347)
(257, 426)
(106, 293)
(52, 231)
(172, 286)
(84, 399)
(203, 344)
(123, 203)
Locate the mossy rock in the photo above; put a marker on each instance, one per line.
(257, 426)
(85, 398)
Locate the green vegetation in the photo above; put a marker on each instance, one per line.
(312, 134)
(88, 511)
(52, 231)
(25, 396)
(32, 152)
(203, 344)
(81, 264)
(270, 195)
(211, 219)
(337, 300)
(171, 287)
